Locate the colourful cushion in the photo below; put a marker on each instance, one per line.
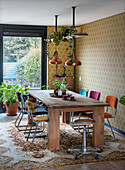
(112, 100)
(31, 105)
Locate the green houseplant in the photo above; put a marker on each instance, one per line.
(58, 36)
(122, 100)
(62, 35)
(56, 85)
(63, 87)
(9, 97)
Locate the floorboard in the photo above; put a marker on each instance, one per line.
(117, 165)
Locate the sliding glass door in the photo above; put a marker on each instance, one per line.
(22, 61)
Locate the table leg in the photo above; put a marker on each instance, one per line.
(67, 117)
(98, 130)
(53, 129)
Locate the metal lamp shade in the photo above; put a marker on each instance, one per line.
(55, 59)
(74, 61)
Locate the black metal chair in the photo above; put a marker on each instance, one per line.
(22, 110)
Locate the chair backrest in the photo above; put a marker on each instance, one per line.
(18, 96)
(83, 92)
(94, 95)
(112, 101)
(30, 106)
(24, 98)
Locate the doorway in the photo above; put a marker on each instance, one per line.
(23, 56)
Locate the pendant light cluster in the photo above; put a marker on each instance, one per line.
(72, 61)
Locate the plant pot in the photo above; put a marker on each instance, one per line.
(56, 92)
(63, 92)
(12, 110)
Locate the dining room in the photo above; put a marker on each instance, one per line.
(77, 76)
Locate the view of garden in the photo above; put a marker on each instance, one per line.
(22, 58)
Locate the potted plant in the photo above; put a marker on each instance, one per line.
(58, 36)
(63, 87)
(56, 85)
(9, 97)
(61, 35)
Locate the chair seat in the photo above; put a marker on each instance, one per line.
(36, 105)
(41, 118)
(84, 122)
(107, 115)
(24, 107)
(40, 112)
(90, 115)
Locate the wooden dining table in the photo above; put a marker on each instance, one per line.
(57, 105)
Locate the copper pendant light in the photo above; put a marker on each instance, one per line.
(73, 61)
(76, 62)
(69, 62)
(55, 59)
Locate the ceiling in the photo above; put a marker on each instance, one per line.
(41, 12)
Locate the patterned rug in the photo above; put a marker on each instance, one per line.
(16, 154)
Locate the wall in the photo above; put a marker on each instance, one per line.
(102, 54)
(62, 54)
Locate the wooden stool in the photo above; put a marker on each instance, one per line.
(83, 149)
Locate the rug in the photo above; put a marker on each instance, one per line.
(16, 154)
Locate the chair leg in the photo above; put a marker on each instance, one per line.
(64, 117)
(71, 117)
(26, 128)
(42, 126)
(19, 121)
(84, 146)
(110, 127)
(34, 135)
(30, 131)
(17, 118)
(84, 139)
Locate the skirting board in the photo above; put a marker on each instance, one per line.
(117, 131)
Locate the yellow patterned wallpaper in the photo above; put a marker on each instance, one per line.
(62, 54)
(102, 54)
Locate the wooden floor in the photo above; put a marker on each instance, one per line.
(114, 165)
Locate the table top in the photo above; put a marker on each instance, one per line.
(57, 103)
